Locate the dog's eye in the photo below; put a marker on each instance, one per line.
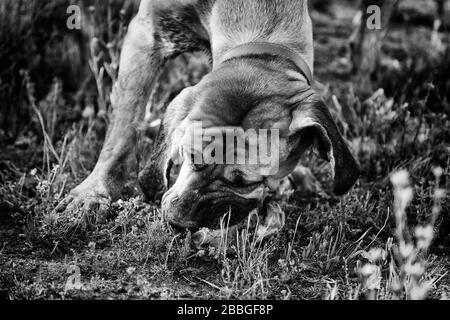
(236, 178)
(230, 176)
(199, 167)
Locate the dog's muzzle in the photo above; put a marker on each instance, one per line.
(191, 210)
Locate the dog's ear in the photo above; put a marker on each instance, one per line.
(314, 125)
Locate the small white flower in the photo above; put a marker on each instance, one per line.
(438, 172)
(375, 254)
(367, 270)
(396, 285)
(424, 236)
(424, 232)
(415, 269)
(405, 196)
(33, 172)
(405, 249)
(102, 114)
(420, 292)
(435, 210)
(440, 193)
(88, 112)
(372, 276)
(400, 178)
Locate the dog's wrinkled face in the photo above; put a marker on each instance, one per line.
(201, 196)
(278, 116)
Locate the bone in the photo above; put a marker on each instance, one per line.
(272, 223)
(206, 238)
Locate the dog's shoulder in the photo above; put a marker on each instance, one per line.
(181, 24)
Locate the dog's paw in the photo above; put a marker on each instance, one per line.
(87, 205)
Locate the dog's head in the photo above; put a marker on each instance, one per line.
(246, 97)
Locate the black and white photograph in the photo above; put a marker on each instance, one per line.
(238, 152)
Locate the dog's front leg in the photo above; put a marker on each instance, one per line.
(140, 63)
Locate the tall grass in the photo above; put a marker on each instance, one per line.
(406, 259)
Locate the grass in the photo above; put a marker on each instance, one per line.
(386, 239)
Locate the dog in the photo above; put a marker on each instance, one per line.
(262, 73)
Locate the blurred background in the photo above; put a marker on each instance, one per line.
(68, 73)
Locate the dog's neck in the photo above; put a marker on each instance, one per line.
(229, 30)
(271, 49)
(219, 56)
